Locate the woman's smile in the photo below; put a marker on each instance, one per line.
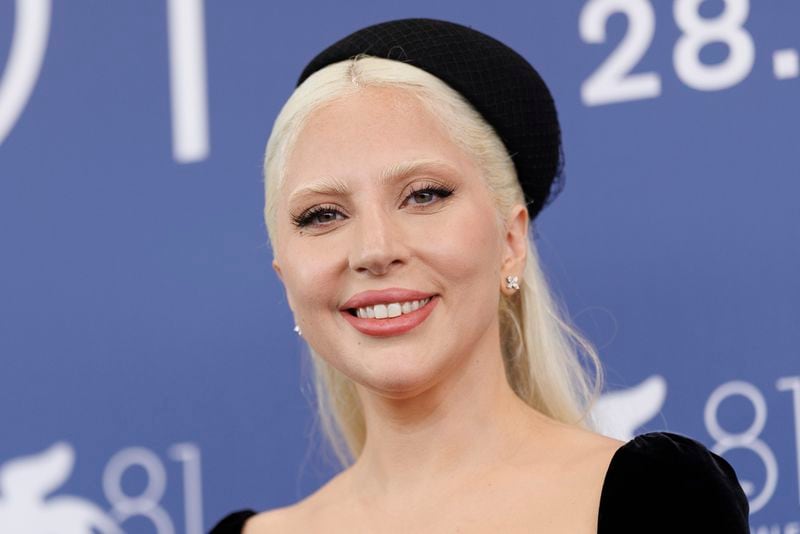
(392, 319)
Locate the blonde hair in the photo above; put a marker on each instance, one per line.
(541, 348)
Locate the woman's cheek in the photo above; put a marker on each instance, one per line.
(472, 243)
(311, 274)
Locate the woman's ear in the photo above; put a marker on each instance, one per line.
(277, 269)
(515, 243)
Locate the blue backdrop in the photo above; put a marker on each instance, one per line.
(150, 380)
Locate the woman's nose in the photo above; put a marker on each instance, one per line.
(378, 242)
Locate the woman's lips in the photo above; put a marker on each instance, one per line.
(394, 325)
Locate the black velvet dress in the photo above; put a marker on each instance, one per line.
(657, 482)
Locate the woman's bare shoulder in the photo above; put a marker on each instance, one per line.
(288, 520)
(588, 449)
(277, 520)
(295, 517)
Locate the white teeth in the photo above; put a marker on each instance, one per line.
(391, 309)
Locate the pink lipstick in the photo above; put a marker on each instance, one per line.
(391, 326)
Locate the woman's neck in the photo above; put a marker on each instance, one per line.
(434, 442)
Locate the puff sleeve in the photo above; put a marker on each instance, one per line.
(232, 523)
(666, 482)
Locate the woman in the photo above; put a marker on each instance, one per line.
(402, 180)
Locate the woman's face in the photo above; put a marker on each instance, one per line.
(346, 226)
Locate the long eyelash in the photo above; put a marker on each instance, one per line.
(441, 190)
(305, 218)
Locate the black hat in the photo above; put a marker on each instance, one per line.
(504, 88)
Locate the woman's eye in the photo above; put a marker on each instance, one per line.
(319, 216)
(425, 195)
(422, 197)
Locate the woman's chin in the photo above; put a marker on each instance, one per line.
(397, 382)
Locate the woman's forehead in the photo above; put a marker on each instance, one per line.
(335, 185)
(371, 134)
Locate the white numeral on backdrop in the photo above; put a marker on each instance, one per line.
(189, 455)
(147, 503)
(748, 439)
(188, 80)
(792, 385)
(28, 46)
(612, 81)
(699, 31)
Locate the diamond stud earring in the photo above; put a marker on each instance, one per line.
(512, 282)
(297, 329)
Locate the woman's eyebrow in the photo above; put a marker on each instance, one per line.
(397, 171)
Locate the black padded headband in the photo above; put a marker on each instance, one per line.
(498, 82)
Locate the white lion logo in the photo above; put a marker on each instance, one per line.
(619, 413)
(25, 483)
